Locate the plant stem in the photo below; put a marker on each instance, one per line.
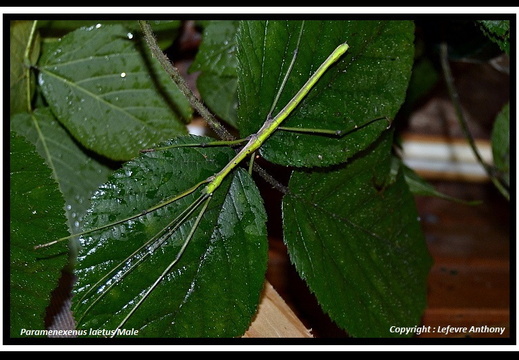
(449, 80)
(27, 61)
(255, 140)
(167, 65)
(195, 103)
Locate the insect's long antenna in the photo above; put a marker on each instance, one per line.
(153, 208)
(162, 235)
(206, 199)
(287, 74)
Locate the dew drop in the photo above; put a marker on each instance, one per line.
(129, 35)
(98, 26)
(123, 74)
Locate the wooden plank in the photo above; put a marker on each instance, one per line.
(436, 157)
(469, 284)
(275, 319)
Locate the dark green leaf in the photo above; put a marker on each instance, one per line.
(109, 93)
(214, 289)
(367, 83)
(501, 141)
(217, 53)
(24, 49)
(36, 217)
(498, 31)
(423, 78)
(219, 93)
(356, 240)
(418, 185)
(216, 59)
(501, 144)
(77, 173)
(164, 30)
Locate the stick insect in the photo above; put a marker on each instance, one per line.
(205, 188)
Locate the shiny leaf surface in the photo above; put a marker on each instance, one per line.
(77, 174)
(109, 93)
(214, 289)
(355, 238)
(36, 217)
(367, 83)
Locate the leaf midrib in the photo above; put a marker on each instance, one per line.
(95, 97)
(349, 223)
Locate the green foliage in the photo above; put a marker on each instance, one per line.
(109, 93)
(498, 31)
(214, 288)
(36, 217)
(351, 228)
(165, 30)
(24, 50)
(68, 161)
(501, 148)
(369, 82)
(354, 236)
(217, 62)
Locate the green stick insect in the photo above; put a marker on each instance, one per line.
(206, 188)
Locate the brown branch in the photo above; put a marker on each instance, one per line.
(167, 65)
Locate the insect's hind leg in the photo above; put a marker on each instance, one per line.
(335, 133)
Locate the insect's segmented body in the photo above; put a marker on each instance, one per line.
(254, 142)
(271, 124)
